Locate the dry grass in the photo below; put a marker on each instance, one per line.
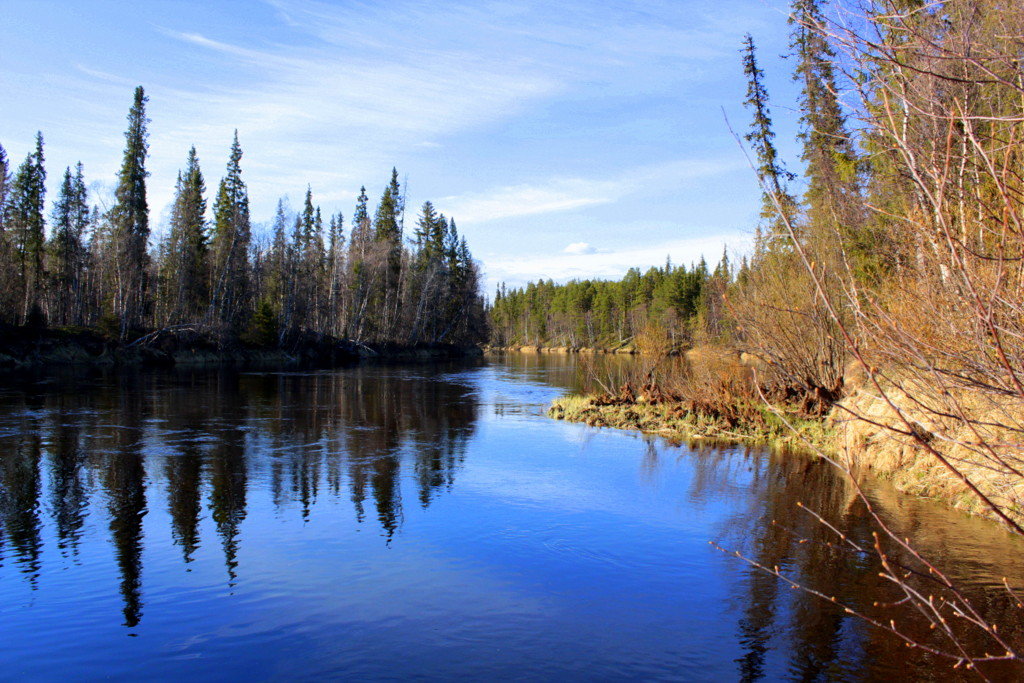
(705, 395)
(980, 438)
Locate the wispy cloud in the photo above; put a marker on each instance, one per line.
(561, 194)
(333, 116)
(565, 194)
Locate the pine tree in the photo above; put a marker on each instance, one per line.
(231, 236)
(387, 233)
(361, 221)
(429, 236)
(8, 267)
(335, 275)
(278, 283)
(129, 219)
(833, 184)
(5, 187)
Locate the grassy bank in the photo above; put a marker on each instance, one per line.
(953, 437)
(742, 422)
(862, 432)
(563, 350)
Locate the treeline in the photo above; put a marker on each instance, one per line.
(674, 304)
(363, 279)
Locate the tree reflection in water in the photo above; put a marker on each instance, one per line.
(200, 437)
(820, 638)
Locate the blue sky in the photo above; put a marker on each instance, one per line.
(568, 139)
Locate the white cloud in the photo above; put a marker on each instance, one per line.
(527, 200)
(579, 248)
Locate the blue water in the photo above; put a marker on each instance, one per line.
(419, 522)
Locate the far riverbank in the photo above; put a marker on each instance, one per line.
(30, 349)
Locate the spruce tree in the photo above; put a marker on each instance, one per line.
(26, 224)
(278, 280)
(778, 206)
(361, 221)
(335, 274)
(8, 269)
(833, 184)
(387, 232)
(5, 187)
(67, 248)
(231, 236)
(429, 236)
(188, 258)
(129, 219)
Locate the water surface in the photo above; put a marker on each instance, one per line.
(423, 521)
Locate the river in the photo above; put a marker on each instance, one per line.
(427, 521)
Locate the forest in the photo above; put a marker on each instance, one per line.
(671, 301)
(365, 279)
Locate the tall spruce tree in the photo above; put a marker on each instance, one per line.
(778, 205)
(359, 280)
(129, 221)
(27, 227)
(833, 196)
(278, 289)
(387, 232)
(8, 270)
(232, 233)
(67, 249)
(335, 274)
(5, 187)
(188, 275)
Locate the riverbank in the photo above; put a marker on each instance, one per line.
(627, 349)
(862, 432)
(746, 423)
(34, 349)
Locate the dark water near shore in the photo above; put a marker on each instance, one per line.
(427, 521)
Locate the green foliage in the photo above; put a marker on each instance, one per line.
(263, 327)
(129, 220)
(608, 314)
(26, 227)
(99, 270)
(186, 267)
(231, 237)
(777, 204)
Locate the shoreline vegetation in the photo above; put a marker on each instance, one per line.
(857, 443)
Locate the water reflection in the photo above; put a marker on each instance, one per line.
(821, 639)
(196, 440)
(435, 512)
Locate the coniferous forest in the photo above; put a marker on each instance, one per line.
(365, 278)
(676, 302)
